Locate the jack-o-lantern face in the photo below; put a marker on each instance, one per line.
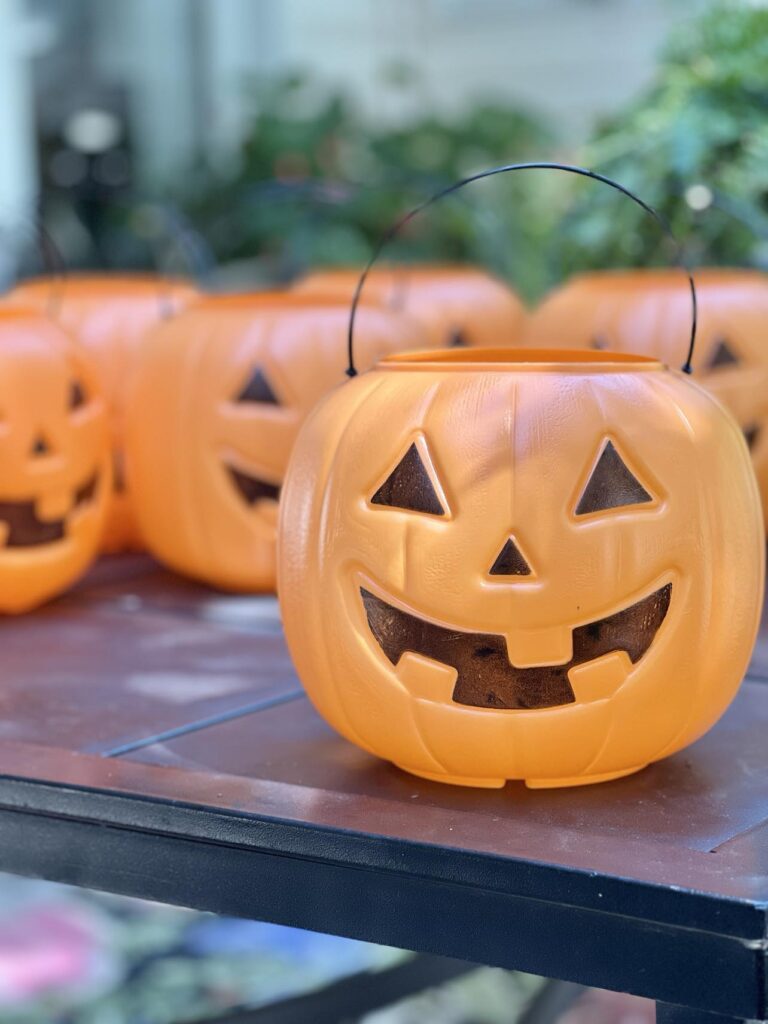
(219, 398)
(54, 461)
(649, 312)
(499, 566)
(109, 315)
(457, 306)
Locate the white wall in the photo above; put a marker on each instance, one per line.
(243, 38)
(573, 59)
(186, 64)
(18, 166)
(150, 44)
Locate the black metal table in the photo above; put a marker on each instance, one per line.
(155, 742)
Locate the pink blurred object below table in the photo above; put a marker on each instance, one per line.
(598, 1006)
(56, 950)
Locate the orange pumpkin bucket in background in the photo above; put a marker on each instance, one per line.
(528, 565)
(109, 315)
(218, 400)
(458, 306)
(645, 311)
(55, 472)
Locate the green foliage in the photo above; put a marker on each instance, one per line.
(703, 122)
(316, 183)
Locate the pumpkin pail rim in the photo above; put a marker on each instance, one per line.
(18, 309)
(521, 359)
(666, 277)
(275, 299)
(119, 281)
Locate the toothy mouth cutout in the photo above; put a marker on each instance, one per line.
(252, 488)
(27, 530)
(485, 676)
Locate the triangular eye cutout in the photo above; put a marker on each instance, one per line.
(723, 355)
(76, 395)
(751, 434)
(510, 561)
(457, 339)
(40, 446)
(258, 389)
(612, 485)
(409, 486)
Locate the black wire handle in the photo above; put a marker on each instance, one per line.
(175, 225)
(390, 233)
(179, 230)
(190, 244)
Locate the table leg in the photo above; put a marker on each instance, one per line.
(680, 1015)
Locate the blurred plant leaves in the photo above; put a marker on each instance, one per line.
(702, 122)
(298, 137)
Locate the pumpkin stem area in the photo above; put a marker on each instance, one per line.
(543, 359)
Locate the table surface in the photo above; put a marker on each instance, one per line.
(155, 741)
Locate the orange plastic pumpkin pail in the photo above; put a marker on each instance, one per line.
(645, 311)
(548, 568)
(55, 470)
(510, 564)
(218, 399)
(109, 315)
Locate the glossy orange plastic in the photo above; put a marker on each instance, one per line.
(54, 460)
(648, 311)
(521, 565)
(219, 397)
(458, 306)
(109, 314)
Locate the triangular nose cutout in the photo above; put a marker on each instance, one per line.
(510, 561)
(40, 446)
(258, 389)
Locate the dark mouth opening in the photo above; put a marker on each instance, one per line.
(252, 488)
(486, 678)
(26, 530)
